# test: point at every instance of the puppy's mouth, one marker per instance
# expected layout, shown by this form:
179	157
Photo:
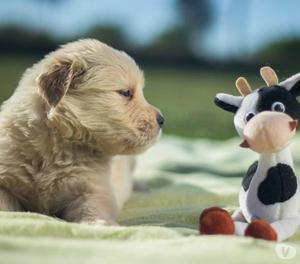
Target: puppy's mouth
154	139
148	131
142	140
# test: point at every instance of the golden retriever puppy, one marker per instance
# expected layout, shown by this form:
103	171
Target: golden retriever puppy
62	129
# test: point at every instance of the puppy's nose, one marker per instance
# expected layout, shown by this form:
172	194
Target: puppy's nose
160	120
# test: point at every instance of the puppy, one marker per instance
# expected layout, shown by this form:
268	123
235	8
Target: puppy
62	129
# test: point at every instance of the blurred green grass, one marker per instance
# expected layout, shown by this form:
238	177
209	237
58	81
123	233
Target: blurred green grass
185	96
11	70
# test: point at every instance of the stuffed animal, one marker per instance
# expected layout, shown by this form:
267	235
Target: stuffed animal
269	198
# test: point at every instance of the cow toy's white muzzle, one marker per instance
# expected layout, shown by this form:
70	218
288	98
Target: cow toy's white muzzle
269	132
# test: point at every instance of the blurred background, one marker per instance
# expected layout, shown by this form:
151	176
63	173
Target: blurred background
189	49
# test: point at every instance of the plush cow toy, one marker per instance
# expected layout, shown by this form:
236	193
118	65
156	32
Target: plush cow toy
269	198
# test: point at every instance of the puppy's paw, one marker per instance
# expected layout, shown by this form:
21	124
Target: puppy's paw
99	222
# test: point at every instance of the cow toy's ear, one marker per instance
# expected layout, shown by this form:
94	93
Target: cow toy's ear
292	84
228	102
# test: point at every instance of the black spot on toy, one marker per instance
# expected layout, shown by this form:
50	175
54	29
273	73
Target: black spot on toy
279	185
249	175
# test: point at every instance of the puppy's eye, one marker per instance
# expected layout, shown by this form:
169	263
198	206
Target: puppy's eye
249	116
278	107
126	93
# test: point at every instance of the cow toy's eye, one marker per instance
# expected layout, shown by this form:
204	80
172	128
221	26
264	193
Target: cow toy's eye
248	116
278	107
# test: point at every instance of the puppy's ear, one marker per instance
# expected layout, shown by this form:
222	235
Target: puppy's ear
58	79
292	84
228	102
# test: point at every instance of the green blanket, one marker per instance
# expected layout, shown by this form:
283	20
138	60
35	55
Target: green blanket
158	226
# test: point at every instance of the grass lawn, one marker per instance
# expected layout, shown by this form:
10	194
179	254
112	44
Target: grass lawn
186	100
11	70
185	96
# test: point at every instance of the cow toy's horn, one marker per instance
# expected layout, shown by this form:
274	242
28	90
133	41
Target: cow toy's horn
243	86
269	75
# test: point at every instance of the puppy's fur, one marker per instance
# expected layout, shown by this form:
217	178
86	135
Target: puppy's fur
61	131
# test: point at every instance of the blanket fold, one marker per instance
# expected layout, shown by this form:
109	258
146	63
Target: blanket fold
157	226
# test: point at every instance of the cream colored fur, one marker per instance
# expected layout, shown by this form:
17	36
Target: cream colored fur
63	129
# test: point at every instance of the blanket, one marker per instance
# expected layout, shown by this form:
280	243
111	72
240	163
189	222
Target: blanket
159	225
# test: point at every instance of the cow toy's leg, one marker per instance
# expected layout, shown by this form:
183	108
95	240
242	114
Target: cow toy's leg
240	222
286	227
257	228
215	220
